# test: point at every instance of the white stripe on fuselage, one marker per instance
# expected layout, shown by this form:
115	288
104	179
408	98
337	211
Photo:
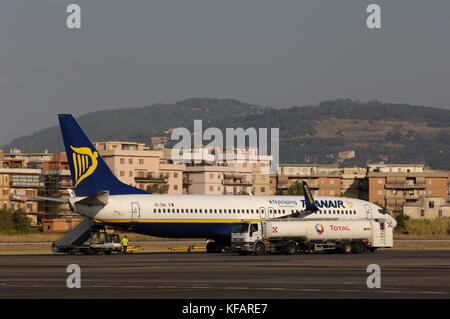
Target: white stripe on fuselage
223	207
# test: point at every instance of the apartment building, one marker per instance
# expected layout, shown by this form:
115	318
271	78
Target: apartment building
139	166
394	190
351	181
57	181
238	170
29	160
218	180
427	208
323	180
16	180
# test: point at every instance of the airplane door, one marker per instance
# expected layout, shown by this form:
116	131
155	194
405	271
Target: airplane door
262	213
135	212
368	211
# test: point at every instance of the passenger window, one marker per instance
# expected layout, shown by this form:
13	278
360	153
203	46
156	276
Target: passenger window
182	210
234	211
253	228
159	210
215	211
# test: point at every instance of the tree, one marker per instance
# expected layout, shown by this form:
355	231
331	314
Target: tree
295	189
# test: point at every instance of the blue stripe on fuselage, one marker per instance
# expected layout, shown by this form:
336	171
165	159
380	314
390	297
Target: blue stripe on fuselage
180	230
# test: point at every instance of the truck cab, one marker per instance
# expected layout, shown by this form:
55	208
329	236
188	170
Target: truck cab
245	235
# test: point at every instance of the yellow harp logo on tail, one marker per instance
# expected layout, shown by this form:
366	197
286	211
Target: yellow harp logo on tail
84	163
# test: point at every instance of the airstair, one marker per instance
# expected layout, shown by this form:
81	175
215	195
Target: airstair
76	236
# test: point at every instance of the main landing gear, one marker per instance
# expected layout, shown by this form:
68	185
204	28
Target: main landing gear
213	247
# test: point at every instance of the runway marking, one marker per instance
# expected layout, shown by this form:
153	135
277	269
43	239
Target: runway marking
134	268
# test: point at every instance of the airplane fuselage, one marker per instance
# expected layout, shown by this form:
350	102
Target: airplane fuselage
209	216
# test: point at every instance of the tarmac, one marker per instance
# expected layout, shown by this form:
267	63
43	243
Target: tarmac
404	274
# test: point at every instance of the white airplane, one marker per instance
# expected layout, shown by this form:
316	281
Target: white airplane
101	196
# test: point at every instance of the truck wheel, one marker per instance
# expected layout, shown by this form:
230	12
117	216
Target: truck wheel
358	248
107	252
290	248
372	249
260	249
347	248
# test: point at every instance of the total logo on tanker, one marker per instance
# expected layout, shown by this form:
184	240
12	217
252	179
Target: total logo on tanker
320	229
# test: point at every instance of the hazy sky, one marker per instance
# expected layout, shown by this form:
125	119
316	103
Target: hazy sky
278	53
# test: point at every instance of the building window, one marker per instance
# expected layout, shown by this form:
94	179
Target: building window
331	193
430	204
263	189
122	161
331	181
131	174
380	181
175	175
122	173
211	188
175	187
422	213
141	161
380	192
130	161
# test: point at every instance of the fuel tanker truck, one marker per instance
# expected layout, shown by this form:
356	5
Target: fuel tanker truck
291	236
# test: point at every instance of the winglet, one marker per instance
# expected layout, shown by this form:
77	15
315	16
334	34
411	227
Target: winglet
309	200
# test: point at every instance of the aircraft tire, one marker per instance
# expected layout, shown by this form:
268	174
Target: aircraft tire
211	247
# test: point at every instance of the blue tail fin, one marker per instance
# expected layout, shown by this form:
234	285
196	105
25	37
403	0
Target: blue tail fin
90	174
309	200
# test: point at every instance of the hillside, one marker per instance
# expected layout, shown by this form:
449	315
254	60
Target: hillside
376	131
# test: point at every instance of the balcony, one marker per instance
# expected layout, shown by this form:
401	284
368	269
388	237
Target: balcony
405	186
151	178
236	182
402	196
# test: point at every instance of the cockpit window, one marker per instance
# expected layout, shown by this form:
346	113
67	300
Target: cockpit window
382	211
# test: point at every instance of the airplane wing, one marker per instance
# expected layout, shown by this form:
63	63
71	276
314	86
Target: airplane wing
53	199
